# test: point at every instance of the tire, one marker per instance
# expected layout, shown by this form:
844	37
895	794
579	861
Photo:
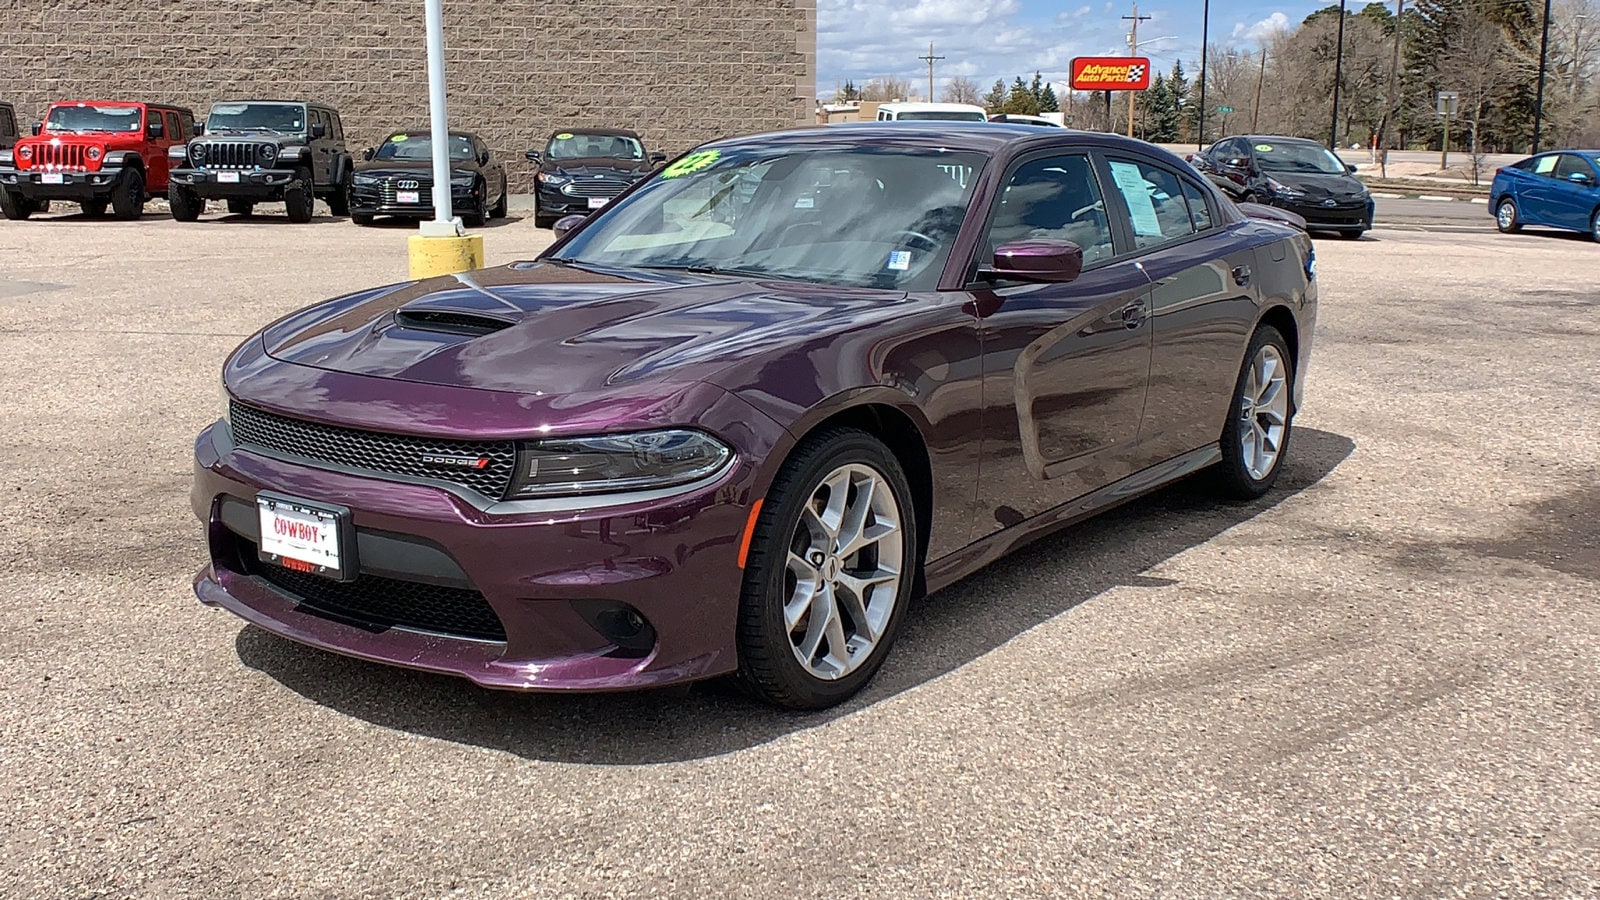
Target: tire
1352	235
241	207
1507	217
479	215
503	208
1251	460
186	204
95	208
543	221
1594	226
127	196
790	540
339	200
15	206
361	219
299	198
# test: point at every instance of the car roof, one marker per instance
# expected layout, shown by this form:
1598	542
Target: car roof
129	103
1278	138
271	100
982	137
930	107
428	132
609	132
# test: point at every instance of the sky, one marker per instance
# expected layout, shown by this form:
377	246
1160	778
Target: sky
858	40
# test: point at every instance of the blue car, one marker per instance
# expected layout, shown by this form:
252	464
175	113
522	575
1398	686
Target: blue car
1559	190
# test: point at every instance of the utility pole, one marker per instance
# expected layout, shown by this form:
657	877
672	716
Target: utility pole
1338	76
1538	95
1205	27
1255	113
1392	107
1133	50
930	59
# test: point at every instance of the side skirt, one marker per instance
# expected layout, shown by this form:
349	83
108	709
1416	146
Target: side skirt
953	567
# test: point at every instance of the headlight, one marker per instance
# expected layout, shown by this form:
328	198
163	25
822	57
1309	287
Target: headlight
552	179
269	152
95	153
24	153
608	464
463	179
197	153
358	178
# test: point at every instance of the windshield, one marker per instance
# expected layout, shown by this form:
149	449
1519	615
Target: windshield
1303	158
567	145
289	118
941	117
411	146
93	118
857	216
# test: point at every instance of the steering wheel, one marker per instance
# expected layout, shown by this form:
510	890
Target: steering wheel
916	236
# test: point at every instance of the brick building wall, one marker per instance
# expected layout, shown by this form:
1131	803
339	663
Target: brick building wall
679	73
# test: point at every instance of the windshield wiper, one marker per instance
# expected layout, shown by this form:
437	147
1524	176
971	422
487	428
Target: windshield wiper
704	269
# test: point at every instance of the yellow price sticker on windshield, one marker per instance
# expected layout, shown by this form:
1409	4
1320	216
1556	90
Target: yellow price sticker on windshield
694	162
564	136
398	139
1263	148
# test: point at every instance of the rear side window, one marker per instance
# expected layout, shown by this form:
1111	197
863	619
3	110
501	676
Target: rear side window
1545	165
8	125
1156	206
174	132
1199	208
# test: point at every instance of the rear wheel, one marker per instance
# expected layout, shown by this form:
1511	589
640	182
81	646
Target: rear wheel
1256	435
127	197
502	208
94	208
830	570
478	214
339	200
241	207
299	198
186	204
1594	225
15	206
1506	217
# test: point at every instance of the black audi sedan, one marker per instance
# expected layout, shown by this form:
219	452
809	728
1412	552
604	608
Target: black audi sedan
1290	173
582	169
396	179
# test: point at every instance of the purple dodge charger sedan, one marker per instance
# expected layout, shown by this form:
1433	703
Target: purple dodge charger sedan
738	420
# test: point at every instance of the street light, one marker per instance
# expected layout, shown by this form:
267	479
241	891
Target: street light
1538	95
1338	75
1205	27
440	247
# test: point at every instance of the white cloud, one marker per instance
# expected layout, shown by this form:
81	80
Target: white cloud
1261	30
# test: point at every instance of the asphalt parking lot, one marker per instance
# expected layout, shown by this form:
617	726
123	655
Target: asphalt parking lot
1380	680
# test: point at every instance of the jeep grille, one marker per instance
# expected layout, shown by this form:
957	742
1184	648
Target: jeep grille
232	154
57	157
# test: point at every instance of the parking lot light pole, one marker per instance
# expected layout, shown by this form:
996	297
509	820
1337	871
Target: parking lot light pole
441	247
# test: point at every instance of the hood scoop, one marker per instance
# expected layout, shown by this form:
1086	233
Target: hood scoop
446	321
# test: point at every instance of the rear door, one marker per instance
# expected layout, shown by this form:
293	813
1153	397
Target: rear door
1537	199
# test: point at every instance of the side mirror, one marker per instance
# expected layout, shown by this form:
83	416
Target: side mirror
1581	178
531	156
1045	261
658	158
1236	162
37	127
199	129
154	129
1350	167
483	158
368	154
567	223
319	130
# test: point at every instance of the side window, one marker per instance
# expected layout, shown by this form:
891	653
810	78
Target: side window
1057	198
174	132
337	131
8	125
1156	207
187	120
1199	207
1545	165
1571	165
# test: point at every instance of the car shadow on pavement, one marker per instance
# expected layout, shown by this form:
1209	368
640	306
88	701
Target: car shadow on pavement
940	634
411	224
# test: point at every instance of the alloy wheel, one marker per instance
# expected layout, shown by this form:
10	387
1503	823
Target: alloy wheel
1264	412
843	573
1506	215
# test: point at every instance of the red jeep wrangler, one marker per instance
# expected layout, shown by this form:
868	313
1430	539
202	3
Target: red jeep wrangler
98	153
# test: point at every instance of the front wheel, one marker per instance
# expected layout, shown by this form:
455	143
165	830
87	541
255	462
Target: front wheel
830	569
95	208
339	200
127	198
1256	435
1594	225
14	206
1506	217
1352	235
186	205
300	199
361	219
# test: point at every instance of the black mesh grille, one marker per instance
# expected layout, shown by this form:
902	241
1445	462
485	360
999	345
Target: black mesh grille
384	602
233	154
606	186
440	459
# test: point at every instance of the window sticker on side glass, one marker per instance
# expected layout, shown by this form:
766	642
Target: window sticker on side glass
1141	206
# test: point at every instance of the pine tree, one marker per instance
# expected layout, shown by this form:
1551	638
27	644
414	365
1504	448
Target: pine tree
1049	102
1020	101
1182	103
995	100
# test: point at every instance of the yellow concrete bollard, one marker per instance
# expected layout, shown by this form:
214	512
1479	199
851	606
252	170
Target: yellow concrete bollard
432	256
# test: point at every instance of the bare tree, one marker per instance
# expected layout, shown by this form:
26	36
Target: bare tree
962	90
1478	63
886	89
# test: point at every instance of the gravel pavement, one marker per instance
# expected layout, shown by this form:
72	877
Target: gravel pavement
1378	681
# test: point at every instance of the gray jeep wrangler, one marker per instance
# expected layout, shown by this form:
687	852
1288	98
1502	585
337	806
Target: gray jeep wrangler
257	151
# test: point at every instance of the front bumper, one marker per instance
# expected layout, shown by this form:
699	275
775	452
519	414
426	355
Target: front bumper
252	184
372	200
552	202
674	561
1344	217
37	185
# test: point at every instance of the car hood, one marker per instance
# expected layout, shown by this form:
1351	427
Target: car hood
602	165
1318	187
408	167
265	137
551	327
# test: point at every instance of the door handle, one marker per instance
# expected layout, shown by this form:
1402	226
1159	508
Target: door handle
1132	315
1241	275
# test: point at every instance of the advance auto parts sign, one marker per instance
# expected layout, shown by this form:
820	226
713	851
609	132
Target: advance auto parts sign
1110	73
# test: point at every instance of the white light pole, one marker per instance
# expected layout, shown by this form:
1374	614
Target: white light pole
444	223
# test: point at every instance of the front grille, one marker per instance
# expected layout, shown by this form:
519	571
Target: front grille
388	190
383	602
59	157
373	451
606	186
233	154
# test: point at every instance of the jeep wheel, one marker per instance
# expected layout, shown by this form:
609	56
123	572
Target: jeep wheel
186	204
15	206
299	199
127	197
241	207
339	200
94	208
503	208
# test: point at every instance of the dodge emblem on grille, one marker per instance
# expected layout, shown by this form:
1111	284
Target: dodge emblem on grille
408	184
456	462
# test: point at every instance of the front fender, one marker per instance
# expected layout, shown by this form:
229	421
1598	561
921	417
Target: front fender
122	159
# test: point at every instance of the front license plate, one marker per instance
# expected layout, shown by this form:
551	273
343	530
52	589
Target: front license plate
227	177
408	197
304	536
598	202
52	178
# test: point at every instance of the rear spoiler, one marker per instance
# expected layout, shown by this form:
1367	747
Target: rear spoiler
1273	214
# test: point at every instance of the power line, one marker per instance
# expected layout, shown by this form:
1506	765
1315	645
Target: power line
930	59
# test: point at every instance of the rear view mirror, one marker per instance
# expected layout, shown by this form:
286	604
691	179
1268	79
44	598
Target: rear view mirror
1047	261
566	224
319	130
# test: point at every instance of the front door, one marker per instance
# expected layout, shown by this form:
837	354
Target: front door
1065	366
